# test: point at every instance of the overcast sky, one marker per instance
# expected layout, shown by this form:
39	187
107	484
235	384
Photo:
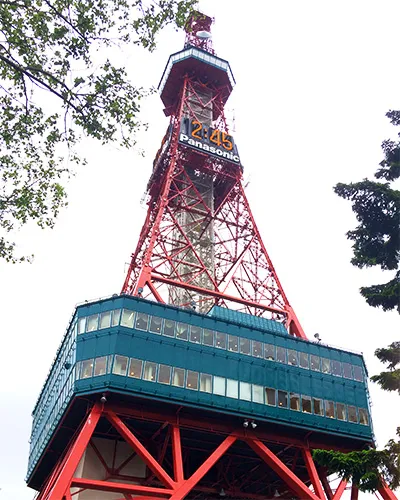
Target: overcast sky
314	81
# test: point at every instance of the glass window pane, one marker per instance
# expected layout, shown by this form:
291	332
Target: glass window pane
115	317
100	366
182	331
169	328
269	352
258	394
336	367
205	382
164	374
244	346
149	372
363	414
81	325
178	377
233	343
87	368
270	396
294	401
340	411
358	375
155	324
192	380
306	404
318	407
303	358
109	364
232	388
325	365
256	349
245	391
92	323
219	386
120	365
135	368
347	373
127	318
315	363
105	320
208	337
292	357
220	340
195	334
352	414
282	399
141	321
329	409
281	354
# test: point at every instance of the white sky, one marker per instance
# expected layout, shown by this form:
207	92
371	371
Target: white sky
314	81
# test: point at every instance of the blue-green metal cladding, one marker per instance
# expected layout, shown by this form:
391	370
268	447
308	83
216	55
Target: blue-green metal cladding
225	361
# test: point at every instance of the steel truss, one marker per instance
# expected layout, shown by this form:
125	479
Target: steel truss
176	471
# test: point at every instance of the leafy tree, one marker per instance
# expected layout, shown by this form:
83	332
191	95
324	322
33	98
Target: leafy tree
57	83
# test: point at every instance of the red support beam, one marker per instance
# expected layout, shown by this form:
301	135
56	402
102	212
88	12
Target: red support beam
313	474
123	488
325	484
177	454
386	493
354	492
340	489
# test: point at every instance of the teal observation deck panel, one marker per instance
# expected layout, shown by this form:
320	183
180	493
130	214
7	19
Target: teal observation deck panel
225	362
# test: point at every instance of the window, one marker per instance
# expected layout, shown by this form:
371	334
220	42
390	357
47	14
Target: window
232	388
115	317
105	320
127	318
318	407
352	414
220	340
219	386
340	411
87	368
315	363
294	401
182	331
325	365
135	368
233	344
258	394
169	328
150	369
292	357
329	409
363	414
120	365
141	321
245	346
164	374
208	337
336	368
357	370
282	399
306	404
256	349
303	358
270	396
281	354
155	324
192	380
205	382
195	334
92	323
347	370
269	352
100	366
178	377
81	325
245	391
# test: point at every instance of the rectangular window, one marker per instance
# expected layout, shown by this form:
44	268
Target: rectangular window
81	325
105	320
306	404
232	388
282	399
87	368
315	363
195	334
352	414
208	337
270	396
303	359
294	401
329	409
92	323
325	365
245	346
233	343
192	380
336	368
100	366
127	318
220	340
135	368
169	328
258	394
178	377
358	374
120	365
340	411
245	391
219	386
363	414
347	373
280	354
149	372
141	321
155	325
292	357
116	314
269	352
164	374
256	349
182	331
205	382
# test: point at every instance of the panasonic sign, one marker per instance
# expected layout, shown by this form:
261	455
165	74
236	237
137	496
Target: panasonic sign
207	148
